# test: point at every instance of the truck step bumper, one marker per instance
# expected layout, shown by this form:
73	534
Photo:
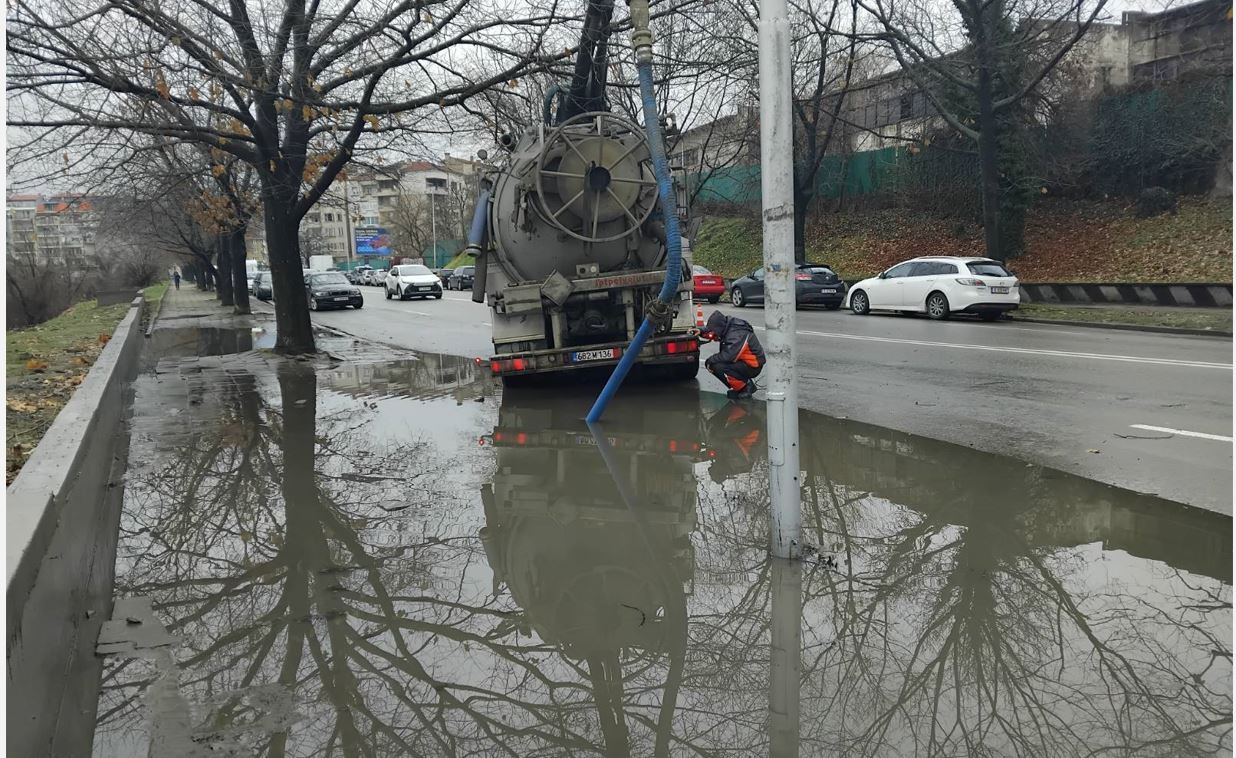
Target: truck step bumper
658	352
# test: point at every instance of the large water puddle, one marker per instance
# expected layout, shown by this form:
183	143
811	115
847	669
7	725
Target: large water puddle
397	559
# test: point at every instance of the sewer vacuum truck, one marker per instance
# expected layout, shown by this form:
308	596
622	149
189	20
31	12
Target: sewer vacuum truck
569	239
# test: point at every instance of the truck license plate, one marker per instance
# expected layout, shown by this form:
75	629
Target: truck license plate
592	355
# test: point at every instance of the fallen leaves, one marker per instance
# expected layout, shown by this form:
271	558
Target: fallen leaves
36	365
1066	241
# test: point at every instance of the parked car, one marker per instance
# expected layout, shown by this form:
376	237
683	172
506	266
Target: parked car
816	284
331	289
262	287
378	277
708	286
939	286
444	275
462	278
412	280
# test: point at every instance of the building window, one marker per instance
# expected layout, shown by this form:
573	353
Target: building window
434	184
905	108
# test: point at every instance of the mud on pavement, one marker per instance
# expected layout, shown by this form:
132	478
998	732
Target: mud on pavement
387	555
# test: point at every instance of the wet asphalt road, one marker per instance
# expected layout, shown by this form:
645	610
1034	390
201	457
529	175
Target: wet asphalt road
1064	397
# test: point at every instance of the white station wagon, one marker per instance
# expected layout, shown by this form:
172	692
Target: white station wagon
939	286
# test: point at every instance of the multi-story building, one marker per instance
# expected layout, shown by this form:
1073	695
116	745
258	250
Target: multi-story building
325	229
1164	46
19	220
416	193
57	228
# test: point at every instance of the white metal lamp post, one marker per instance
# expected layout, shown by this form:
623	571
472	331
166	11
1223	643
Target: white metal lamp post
777	185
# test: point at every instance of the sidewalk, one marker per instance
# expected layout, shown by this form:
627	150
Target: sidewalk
189	302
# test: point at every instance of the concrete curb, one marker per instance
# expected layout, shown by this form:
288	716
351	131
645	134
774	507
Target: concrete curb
155	316
61	516
1184	331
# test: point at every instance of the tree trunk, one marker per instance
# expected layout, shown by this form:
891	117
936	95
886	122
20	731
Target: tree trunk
800	227
224	257
295	332
988	136
240	274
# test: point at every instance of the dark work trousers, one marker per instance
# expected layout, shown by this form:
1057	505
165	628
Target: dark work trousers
733	375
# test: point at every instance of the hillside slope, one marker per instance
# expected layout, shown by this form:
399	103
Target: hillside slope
1066	241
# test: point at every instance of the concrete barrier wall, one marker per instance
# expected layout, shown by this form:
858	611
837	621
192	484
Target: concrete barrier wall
61	522
1191	295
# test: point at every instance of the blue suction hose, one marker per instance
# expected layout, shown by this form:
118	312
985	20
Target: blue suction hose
641	39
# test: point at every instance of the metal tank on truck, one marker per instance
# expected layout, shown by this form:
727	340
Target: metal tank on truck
570	242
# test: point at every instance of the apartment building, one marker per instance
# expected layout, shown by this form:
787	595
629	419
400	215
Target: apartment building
59	228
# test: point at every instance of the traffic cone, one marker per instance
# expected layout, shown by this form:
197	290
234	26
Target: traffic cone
699	316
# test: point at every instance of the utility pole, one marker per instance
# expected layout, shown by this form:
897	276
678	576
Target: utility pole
433	228
777	185
347	218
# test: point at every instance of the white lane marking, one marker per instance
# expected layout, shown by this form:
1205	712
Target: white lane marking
1027	351
1181	432
419	313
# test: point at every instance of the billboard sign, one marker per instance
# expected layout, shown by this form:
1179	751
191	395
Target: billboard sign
372	240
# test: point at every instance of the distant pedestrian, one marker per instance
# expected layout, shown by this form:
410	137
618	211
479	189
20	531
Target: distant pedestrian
176	279
740	359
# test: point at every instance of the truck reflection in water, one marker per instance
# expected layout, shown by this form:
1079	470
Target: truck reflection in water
599	557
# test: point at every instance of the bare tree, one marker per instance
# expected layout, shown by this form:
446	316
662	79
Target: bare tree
294	90
977	62
410	224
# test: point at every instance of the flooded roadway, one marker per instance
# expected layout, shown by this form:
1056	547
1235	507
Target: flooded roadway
394	557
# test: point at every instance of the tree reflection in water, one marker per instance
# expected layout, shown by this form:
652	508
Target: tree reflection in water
334	596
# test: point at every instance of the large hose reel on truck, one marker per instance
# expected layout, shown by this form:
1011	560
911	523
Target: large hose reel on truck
594	170
575	235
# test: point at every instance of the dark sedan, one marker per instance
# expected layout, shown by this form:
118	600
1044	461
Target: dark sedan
262	287
817	284
444	274
331	289
462	278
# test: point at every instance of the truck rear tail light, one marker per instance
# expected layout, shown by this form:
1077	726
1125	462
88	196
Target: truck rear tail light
682	346
507	366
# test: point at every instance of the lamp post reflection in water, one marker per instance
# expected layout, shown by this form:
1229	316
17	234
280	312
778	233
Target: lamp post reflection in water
786	650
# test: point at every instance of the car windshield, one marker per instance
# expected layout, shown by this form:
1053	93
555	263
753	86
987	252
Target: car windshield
414	271
700	271
329	278
987	268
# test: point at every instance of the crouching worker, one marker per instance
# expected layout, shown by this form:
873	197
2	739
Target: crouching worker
740	359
